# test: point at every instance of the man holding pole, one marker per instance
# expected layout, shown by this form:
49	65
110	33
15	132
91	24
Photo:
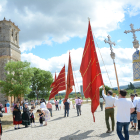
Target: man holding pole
109	109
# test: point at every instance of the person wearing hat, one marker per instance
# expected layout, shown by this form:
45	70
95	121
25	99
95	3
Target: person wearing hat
109	109
133	117
124	108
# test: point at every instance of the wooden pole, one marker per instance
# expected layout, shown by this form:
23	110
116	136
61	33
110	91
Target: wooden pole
104	89
75	90
117	78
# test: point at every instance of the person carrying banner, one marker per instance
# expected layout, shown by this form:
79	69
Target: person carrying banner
109	109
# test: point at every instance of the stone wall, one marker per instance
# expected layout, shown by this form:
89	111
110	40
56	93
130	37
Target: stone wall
9	49
15	55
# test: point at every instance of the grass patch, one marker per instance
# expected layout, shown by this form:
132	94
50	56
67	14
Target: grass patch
7	121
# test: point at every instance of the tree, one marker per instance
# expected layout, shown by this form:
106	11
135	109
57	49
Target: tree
106	89
18	79
131	86
40	83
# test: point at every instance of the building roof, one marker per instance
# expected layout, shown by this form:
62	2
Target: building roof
4	20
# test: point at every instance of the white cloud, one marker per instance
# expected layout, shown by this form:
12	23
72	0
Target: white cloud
119	40
123	64
46	21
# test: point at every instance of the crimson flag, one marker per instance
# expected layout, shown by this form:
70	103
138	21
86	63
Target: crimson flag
52	85
70	79
90	71
60	83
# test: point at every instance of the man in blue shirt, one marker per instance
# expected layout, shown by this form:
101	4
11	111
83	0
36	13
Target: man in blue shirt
66	107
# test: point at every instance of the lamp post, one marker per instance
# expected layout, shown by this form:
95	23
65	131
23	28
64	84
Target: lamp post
113	58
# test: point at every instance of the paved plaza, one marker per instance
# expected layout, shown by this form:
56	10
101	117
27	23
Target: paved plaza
70	128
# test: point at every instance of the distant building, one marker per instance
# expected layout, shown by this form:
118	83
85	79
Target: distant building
9	49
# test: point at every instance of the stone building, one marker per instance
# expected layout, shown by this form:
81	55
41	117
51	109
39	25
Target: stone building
9	49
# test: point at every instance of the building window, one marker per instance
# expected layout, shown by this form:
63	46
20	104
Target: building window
0	29
16	37
12	32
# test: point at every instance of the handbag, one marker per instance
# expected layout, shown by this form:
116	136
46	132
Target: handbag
1	115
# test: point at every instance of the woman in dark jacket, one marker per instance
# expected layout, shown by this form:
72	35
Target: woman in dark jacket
17	116
26	116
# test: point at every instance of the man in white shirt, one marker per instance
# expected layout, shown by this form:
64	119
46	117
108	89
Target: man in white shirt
124	108
78	105
109	109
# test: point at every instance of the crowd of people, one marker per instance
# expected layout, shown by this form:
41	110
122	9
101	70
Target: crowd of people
22	115
128	111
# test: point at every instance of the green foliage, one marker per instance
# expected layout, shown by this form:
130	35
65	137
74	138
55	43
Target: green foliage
18	79
131	86
106	89
40	83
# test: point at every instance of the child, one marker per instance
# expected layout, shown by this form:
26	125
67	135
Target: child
41	116
32	117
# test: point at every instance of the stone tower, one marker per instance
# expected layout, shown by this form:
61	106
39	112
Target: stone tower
9	48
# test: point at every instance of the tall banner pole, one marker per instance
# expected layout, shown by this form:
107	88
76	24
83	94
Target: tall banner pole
113	57
117	78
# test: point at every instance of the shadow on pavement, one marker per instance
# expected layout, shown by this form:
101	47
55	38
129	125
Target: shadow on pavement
110	134
74	117
76	136
14	129
103	135
57	119
132	132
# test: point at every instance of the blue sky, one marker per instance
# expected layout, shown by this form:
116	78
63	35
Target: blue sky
49	29
57	49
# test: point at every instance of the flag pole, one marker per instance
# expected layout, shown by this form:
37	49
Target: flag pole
117	78
75	90
113	57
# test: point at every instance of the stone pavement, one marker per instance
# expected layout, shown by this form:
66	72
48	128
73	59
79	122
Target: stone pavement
70	128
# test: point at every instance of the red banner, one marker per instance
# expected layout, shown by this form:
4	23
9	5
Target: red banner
60	83
90	71
70	79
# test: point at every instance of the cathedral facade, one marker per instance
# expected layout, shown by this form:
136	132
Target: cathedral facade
9	49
